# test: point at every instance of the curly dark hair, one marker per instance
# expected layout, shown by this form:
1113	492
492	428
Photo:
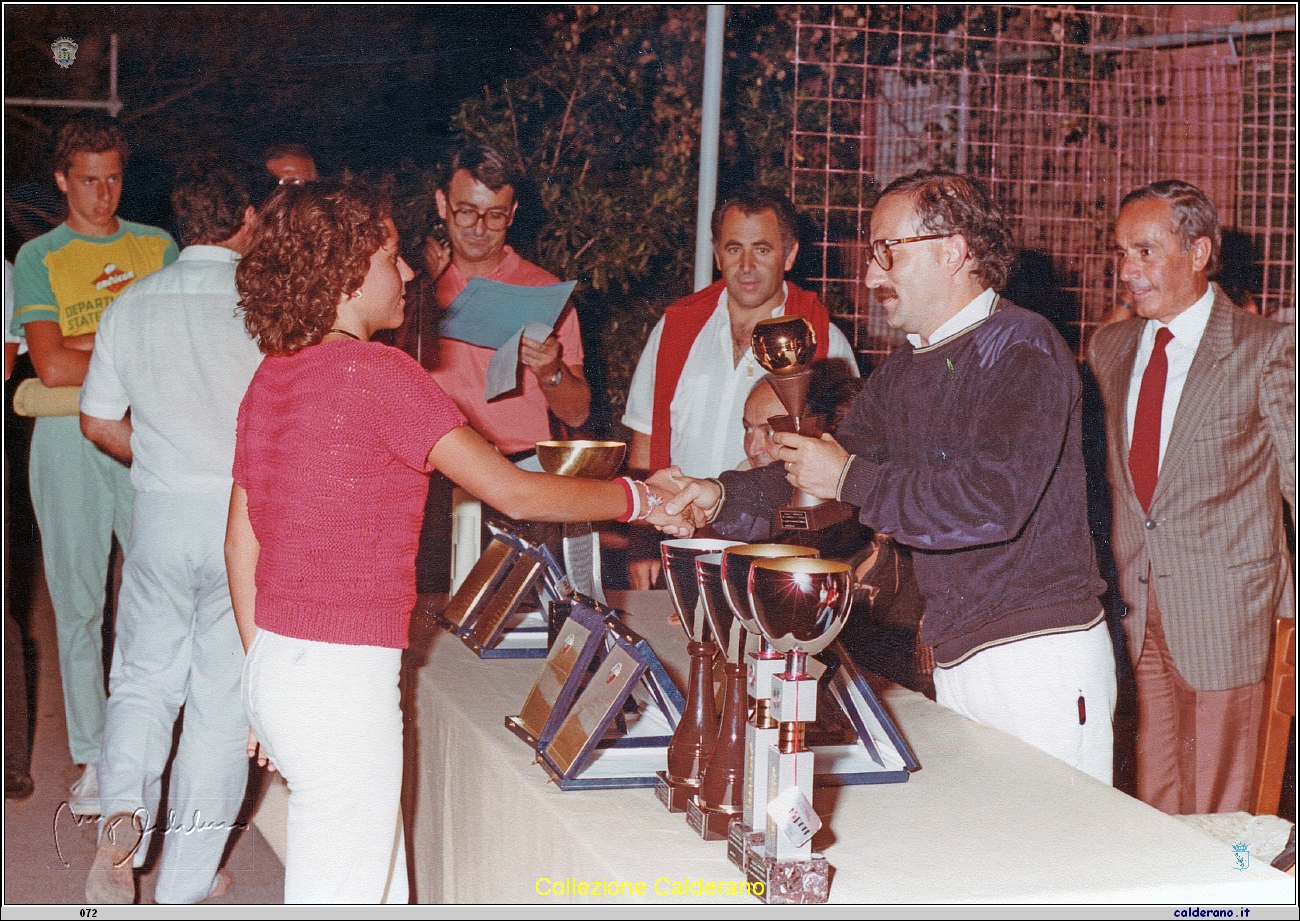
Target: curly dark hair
92	133
312	245
949	203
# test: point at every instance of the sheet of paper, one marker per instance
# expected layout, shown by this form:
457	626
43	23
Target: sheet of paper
503	368
488	313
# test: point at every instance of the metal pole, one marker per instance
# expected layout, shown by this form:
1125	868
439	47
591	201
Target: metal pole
710	119
114	104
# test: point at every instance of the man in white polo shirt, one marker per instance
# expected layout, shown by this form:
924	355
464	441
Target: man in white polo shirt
688	393
173	353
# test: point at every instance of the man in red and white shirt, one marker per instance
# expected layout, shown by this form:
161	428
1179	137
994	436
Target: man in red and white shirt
688	394
687	398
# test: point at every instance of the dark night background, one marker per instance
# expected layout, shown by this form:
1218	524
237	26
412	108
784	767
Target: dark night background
363	87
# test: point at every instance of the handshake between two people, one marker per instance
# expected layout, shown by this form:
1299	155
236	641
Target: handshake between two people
814	465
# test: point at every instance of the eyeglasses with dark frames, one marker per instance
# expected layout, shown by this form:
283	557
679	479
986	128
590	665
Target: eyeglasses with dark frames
469	217
881	250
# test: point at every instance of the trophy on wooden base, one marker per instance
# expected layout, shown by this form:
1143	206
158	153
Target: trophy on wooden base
785	346
801	606
722	786
762	665
693	741
592	460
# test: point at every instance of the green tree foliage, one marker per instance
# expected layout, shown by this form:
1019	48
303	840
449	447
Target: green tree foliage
607	127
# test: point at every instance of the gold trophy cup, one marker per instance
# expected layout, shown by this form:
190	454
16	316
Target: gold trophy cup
762	663
721	796
786	346
591	460
688	753
801	605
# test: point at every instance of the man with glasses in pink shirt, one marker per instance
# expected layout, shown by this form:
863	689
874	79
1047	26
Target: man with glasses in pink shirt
478	206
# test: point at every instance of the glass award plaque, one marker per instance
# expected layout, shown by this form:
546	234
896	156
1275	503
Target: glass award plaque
880	754
567	664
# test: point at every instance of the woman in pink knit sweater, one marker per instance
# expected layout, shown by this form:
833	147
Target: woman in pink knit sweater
336	438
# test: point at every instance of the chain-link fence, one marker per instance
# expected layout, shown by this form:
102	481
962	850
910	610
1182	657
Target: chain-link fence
1061	111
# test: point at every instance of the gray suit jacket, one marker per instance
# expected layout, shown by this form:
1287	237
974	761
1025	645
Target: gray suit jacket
1213	538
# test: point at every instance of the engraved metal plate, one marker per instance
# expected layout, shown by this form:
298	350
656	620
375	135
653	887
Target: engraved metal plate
478	585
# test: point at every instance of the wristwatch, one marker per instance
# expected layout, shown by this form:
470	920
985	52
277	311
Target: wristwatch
554	380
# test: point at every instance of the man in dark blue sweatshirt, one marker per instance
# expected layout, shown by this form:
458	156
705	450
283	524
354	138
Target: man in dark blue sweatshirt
964	445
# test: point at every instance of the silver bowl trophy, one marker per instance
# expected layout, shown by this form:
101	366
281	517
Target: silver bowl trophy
688	753
786	346
592	460
763	663
801	605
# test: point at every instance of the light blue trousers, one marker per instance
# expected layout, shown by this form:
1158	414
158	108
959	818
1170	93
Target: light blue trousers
82	497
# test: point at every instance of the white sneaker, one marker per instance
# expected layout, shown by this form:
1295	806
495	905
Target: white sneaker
83	797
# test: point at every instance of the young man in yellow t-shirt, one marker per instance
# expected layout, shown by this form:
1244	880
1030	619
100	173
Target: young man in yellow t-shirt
63	280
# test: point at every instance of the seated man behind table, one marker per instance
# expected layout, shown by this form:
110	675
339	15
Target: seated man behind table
478	204
686	399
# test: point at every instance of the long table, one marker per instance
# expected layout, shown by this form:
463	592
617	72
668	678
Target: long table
987	818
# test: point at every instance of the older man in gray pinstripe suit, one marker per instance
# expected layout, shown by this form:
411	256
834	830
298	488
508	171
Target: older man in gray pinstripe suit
1200	423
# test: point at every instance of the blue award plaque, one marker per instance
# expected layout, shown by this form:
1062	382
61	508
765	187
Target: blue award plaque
567	664
616	732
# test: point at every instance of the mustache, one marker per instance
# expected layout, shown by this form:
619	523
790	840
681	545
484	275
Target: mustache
885	292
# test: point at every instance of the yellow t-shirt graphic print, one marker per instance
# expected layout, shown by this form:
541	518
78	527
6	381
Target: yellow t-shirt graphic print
71	278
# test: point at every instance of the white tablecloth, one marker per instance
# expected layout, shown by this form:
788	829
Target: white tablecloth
986	819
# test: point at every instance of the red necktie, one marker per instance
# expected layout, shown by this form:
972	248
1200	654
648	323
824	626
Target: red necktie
1144	449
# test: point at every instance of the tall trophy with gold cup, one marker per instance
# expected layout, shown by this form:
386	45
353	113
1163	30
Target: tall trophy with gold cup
762	664
688	753
786	346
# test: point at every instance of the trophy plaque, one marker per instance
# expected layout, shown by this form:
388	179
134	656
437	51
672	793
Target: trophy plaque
500	610
786	346
615	731
689	752
801	605
485	631
762	665
592	460
578	638
721	796
483	579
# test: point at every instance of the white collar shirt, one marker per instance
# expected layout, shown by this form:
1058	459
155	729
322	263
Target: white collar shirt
974	312
707	409
1187	328
173	349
